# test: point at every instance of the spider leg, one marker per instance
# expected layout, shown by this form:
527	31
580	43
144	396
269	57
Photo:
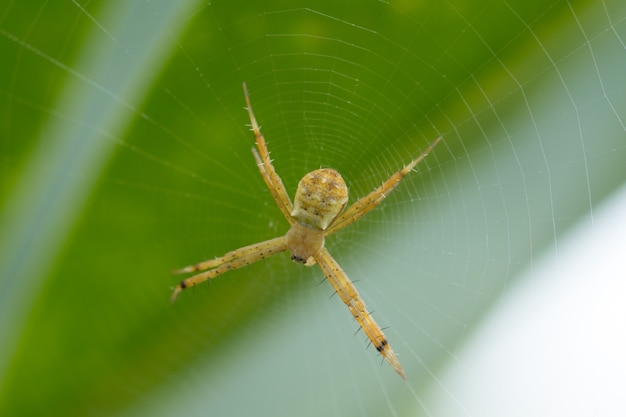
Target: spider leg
370	201
272	179
350	296
232	260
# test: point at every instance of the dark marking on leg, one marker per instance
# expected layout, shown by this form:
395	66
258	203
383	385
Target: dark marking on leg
382	345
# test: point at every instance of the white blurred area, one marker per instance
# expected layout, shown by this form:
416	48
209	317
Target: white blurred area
556	344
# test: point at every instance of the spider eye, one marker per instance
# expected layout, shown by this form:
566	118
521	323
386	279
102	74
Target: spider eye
298	259
306	262
320	197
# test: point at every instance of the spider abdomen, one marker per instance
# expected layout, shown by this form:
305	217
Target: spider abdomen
320	197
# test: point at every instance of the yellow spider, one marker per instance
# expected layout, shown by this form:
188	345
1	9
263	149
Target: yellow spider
320	198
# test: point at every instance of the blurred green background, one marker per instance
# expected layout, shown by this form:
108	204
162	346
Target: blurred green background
124	153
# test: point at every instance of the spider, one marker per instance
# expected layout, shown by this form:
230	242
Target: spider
317	212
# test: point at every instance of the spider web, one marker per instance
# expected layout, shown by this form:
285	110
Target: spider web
125	154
